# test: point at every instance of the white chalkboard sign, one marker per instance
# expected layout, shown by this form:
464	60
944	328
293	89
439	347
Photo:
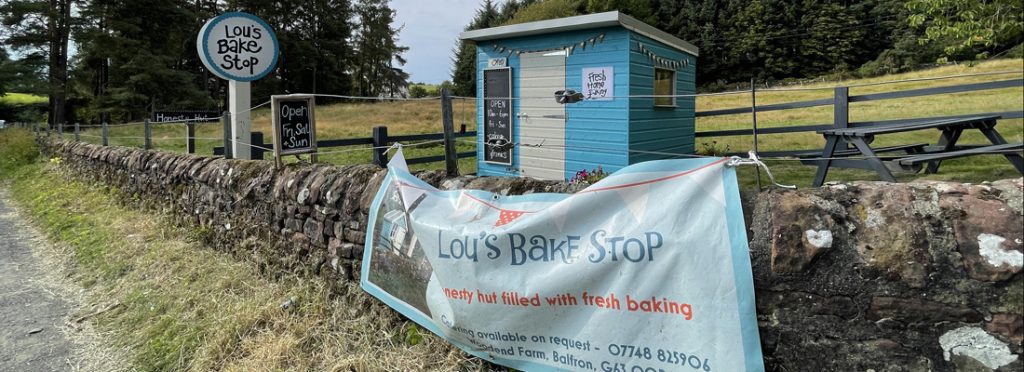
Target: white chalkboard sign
598	83
294	124
497	133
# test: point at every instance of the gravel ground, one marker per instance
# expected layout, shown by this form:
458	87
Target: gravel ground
37	304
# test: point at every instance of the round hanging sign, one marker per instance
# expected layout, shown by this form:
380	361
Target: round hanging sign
238	46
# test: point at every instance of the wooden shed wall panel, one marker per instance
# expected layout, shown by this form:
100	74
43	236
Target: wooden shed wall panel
657	129
597	131
613	48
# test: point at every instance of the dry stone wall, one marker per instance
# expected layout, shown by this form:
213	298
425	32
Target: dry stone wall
865	276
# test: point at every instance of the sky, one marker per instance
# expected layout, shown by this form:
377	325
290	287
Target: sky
431	29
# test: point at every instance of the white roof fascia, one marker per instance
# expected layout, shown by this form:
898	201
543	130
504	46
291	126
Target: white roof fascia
613	18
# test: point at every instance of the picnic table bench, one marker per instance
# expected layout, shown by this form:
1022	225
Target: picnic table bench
861	137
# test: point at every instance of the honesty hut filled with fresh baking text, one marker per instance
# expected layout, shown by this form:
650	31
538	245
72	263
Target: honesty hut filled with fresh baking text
558	96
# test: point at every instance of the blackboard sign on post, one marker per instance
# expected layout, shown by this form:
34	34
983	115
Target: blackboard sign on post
294	125
497	133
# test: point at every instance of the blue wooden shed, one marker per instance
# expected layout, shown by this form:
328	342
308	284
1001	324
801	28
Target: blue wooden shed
630	75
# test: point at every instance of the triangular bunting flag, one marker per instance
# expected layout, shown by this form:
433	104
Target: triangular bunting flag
507	216
467	210
559	211
635	198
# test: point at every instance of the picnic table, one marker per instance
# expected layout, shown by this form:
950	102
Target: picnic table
947	148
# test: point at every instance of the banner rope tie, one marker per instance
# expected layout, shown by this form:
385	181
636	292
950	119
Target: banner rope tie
752	159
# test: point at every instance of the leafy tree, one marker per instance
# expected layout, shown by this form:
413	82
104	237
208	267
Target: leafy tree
639	9
40	29
548	9
969	26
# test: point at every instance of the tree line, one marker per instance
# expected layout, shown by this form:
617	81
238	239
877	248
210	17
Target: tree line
132	57
772	40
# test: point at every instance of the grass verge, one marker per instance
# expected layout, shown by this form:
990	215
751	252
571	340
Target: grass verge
184	306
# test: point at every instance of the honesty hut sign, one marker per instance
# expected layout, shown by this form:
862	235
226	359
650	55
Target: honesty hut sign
617	277
238	46
294	124
169	116
498	116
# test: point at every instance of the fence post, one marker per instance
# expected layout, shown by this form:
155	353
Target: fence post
841	112
78	134
753	113
190	137
380	140
60	130
148	144
105	134
451	157
226	119
256	139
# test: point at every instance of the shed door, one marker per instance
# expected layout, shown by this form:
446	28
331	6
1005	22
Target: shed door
541	118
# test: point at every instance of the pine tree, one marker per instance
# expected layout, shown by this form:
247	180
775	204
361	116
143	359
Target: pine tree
464	54
41	30
378	56
139	56
464	59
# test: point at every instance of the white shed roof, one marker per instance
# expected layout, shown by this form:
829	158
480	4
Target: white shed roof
582	22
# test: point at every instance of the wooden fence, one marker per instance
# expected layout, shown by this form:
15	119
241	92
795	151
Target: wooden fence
379	142
840	101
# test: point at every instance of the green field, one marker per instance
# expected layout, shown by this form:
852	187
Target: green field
414	117
15	99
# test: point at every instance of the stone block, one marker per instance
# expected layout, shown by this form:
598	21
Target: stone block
989	237
339	230
315	230
915	310
1009	326
355	236
890	238
293	224
801	231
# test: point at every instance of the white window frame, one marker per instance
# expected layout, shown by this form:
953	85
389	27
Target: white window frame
654	79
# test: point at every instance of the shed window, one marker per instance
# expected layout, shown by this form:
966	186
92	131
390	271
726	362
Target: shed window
664	85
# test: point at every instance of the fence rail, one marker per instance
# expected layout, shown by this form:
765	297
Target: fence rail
380	142
841	102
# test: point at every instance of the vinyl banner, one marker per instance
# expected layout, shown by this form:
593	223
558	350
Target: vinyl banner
646	270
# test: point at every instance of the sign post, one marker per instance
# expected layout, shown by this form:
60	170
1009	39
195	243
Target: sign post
294	124
238	47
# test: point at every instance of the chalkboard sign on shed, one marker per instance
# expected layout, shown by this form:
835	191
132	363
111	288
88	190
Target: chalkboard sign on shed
294	124
497	134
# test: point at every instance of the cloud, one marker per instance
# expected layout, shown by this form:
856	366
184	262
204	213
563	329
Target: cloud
430	30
